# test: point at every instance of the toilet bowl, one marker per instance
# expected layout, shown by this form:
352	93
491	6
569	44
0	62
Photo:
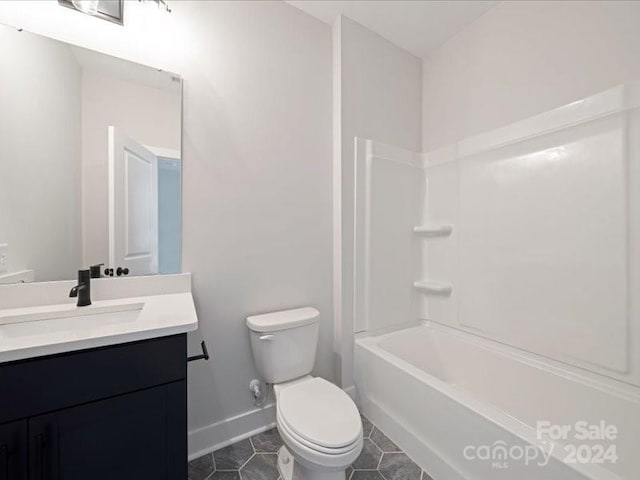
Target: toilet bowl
321	429
318	422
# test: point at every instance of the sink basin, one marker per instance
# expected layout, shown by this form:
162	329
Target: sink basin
65	318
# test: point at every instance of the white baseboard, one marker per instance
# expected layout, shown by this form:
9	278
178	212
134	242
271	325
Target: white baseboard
231	430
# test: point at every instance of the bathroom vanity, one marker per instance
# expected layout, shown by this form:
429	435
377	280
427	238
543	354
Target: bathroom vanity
100	391
104	413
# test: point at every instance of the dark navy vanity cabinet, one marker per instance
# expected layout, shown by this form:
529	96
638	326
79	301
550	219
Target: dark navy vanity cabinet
108	413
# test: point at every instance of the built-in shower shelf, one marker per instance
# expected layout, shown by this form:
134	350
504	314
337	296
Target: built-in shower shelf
433	288
433	230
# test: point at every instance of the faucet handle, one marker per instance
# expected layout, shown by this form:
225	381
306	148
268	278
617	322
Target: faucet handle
95	270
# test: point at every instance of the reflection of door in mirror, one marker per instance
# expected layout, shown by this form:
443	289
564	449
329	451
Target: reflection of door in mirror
144	206
133	205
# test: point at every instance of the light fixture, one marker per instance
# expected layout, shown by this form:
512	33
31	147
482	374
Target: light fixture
90	7
161	4
110	10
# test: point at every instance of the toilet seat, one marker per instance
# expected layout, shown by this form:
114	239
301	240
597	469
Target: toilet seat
319	415
286	431
319	423
317	460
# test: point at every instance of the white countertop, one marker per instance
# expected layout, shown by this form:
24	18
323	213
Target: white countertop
161	315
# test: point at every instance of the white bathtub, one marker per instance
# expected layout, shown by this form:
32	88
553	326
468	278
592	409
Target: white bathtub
466	408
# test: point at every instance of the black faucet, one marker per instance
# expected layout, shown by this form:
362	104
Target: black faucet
83	289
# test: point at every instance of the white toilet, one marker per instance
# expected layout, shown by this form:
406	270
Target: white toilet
318	422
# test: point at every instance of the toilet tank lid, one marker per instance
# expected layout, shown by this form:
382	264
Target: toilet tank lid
271	322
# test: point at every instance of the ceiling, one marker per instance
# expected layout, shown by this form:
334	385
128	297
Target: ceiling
417	26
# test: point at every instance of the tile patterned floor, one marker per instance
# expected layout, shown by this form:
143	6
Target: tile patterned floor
256	459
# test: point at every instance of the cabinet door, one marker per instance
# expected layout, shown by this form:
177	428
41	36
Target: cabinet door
124	438
13	451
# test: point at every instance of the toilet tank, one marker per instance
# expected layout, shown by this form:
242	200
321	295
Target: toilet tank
284	343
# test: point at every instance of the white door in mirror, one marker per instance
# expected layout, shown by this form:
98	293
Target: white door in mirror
133	205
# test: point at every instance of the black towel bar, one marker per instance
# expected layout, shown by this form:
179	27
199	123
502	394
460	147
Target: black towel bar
203	356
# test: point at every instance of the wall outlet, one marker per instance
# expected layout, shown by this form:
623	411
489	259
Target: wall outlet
4	257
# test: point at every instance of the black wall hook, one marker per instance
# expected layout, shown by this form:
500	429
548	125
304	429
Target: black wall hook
203	356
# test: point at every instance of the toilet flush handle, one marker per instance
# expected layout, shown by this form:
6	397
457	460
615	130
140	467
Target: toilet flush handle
265	337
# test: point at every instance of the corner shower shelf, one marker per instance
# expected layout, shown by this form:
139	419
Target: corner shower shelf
433	230
434	288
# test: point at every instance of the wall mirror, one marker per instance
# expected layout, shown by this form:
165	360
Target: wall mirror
90	162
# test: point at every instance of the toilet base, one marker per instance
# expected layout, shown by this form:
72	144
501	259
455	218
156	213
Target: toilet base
289	469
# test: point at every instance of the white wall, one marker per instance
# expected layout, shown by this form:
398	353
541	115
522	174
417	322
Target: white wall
257	172
377	95
257	177
523	58
107	100
39	157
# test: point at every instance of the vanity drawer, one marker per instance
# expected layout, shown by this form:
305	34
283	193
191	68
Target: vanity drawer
44	384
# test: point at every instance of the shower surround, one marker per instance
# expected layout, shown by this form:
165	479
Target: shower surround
495	294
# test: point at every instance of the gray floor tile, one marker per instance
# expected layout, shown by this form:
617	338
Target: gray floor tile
383	442
256	459
366	475
267	442
201	468
398	466
233	456
369	457
263	466
225	476
367	426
